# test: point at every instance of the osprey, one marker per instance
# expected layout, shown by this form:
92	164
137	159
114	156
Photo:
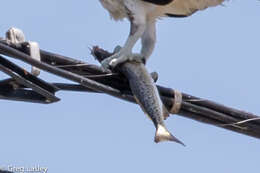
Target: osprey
142	15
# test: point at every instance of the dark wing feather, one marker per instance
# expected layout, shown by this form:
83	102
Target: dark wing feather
159	2
180	15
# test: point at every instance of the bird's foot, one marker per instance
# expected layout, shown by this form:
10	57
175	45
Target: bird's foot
120	56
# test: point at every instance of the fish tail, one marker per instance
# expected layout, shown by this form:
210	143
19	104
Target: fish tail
162	134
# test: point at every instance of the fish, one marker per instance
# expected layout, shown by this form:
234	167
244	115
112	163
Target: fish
147	96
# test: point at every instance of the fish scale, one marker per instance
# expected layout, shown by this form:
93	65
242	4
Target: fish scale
147	96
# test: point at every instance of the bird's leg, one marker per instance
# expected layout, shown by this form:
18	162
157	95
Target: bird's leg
154	74
148	39
125	54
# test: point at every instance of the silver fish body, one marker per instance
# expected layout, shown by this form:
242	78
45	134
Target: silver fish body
147	96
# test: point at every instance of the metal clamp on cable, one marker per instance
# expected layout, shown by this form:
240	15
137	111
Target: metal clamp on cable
176	106
16	36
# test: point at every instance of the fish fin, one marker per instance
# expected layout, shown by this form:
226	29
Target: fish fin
162	134
166	113
154	76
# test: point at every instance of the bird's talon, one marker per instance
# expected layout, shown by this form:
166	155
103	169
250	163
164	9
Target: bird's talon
120	56
105	65
113	63
117	49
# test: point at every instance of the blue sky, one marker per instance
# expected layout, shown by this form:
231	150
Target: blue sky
214	54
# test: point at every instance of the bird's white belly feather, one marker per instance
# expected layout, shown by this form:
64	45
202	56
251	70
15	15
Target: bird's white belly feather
117	8
120	9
